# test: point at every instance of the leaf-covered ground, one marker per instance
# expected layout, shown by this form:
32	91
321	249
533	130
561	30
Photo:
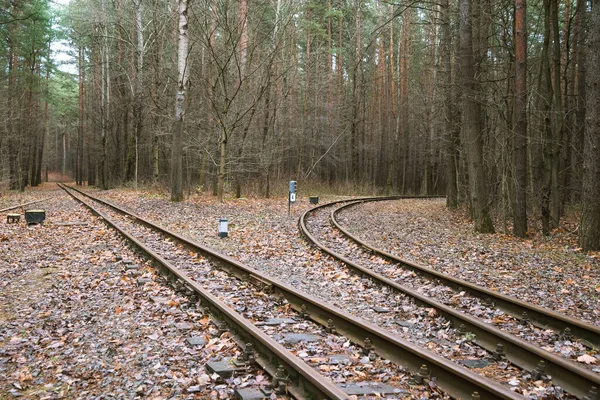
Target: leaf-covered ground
14	198
75	322
263	236
552	272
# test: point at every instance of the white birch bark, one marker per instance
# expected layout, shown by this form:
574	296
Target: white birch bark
183	74
139	90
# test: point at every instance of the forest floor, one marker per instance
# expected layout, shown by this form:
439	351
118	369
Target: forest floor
68	307
549	271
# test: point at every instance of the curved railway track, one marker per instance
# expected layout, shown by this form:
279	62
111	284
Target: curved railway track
538	316
426	367
346	248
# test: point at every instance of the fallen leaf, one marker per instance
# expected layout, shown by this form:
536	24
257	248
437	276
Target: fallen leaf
513	382
586	358
327	368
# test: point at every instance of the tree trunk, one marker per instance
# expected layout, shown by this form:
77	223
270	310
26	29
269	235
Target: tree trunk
10	103
590	212
471	120
380	98
79	150
156	120
449	125
105	99
243	38
222	160
545	100
354	130
183	73
138	117
558	131
403	113
577	101
45	130
520	131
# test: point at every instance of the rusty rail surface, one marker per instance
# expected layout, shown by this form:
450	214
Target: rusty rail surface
456	380
574	378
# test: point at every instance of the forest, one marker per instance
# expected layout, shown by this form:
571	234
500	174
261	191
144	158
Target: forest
495	104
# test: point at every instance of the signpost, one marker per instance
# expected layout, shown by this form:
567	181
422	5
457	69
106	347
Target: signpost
292	196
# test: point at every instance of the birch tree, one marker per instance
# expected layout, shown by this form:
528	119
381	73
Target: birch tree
139	88
183	74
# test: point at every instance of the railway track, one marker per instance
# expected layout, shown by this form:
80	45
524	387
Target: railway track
530	313
23	205
455	298
337	329
296	378
68	290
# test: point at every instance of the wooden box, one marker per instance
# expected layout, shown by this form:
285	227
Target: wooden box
13	218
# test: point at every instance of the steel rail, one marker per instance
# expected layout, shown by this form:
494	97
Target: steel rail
23	205
455	380
309	384
539	316
574	378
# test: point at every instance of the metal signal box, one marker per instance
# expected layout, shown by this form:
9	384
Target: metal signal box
35	216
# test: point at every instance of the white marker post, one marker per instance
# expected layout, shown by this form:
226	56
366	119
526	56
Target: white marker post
292	196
